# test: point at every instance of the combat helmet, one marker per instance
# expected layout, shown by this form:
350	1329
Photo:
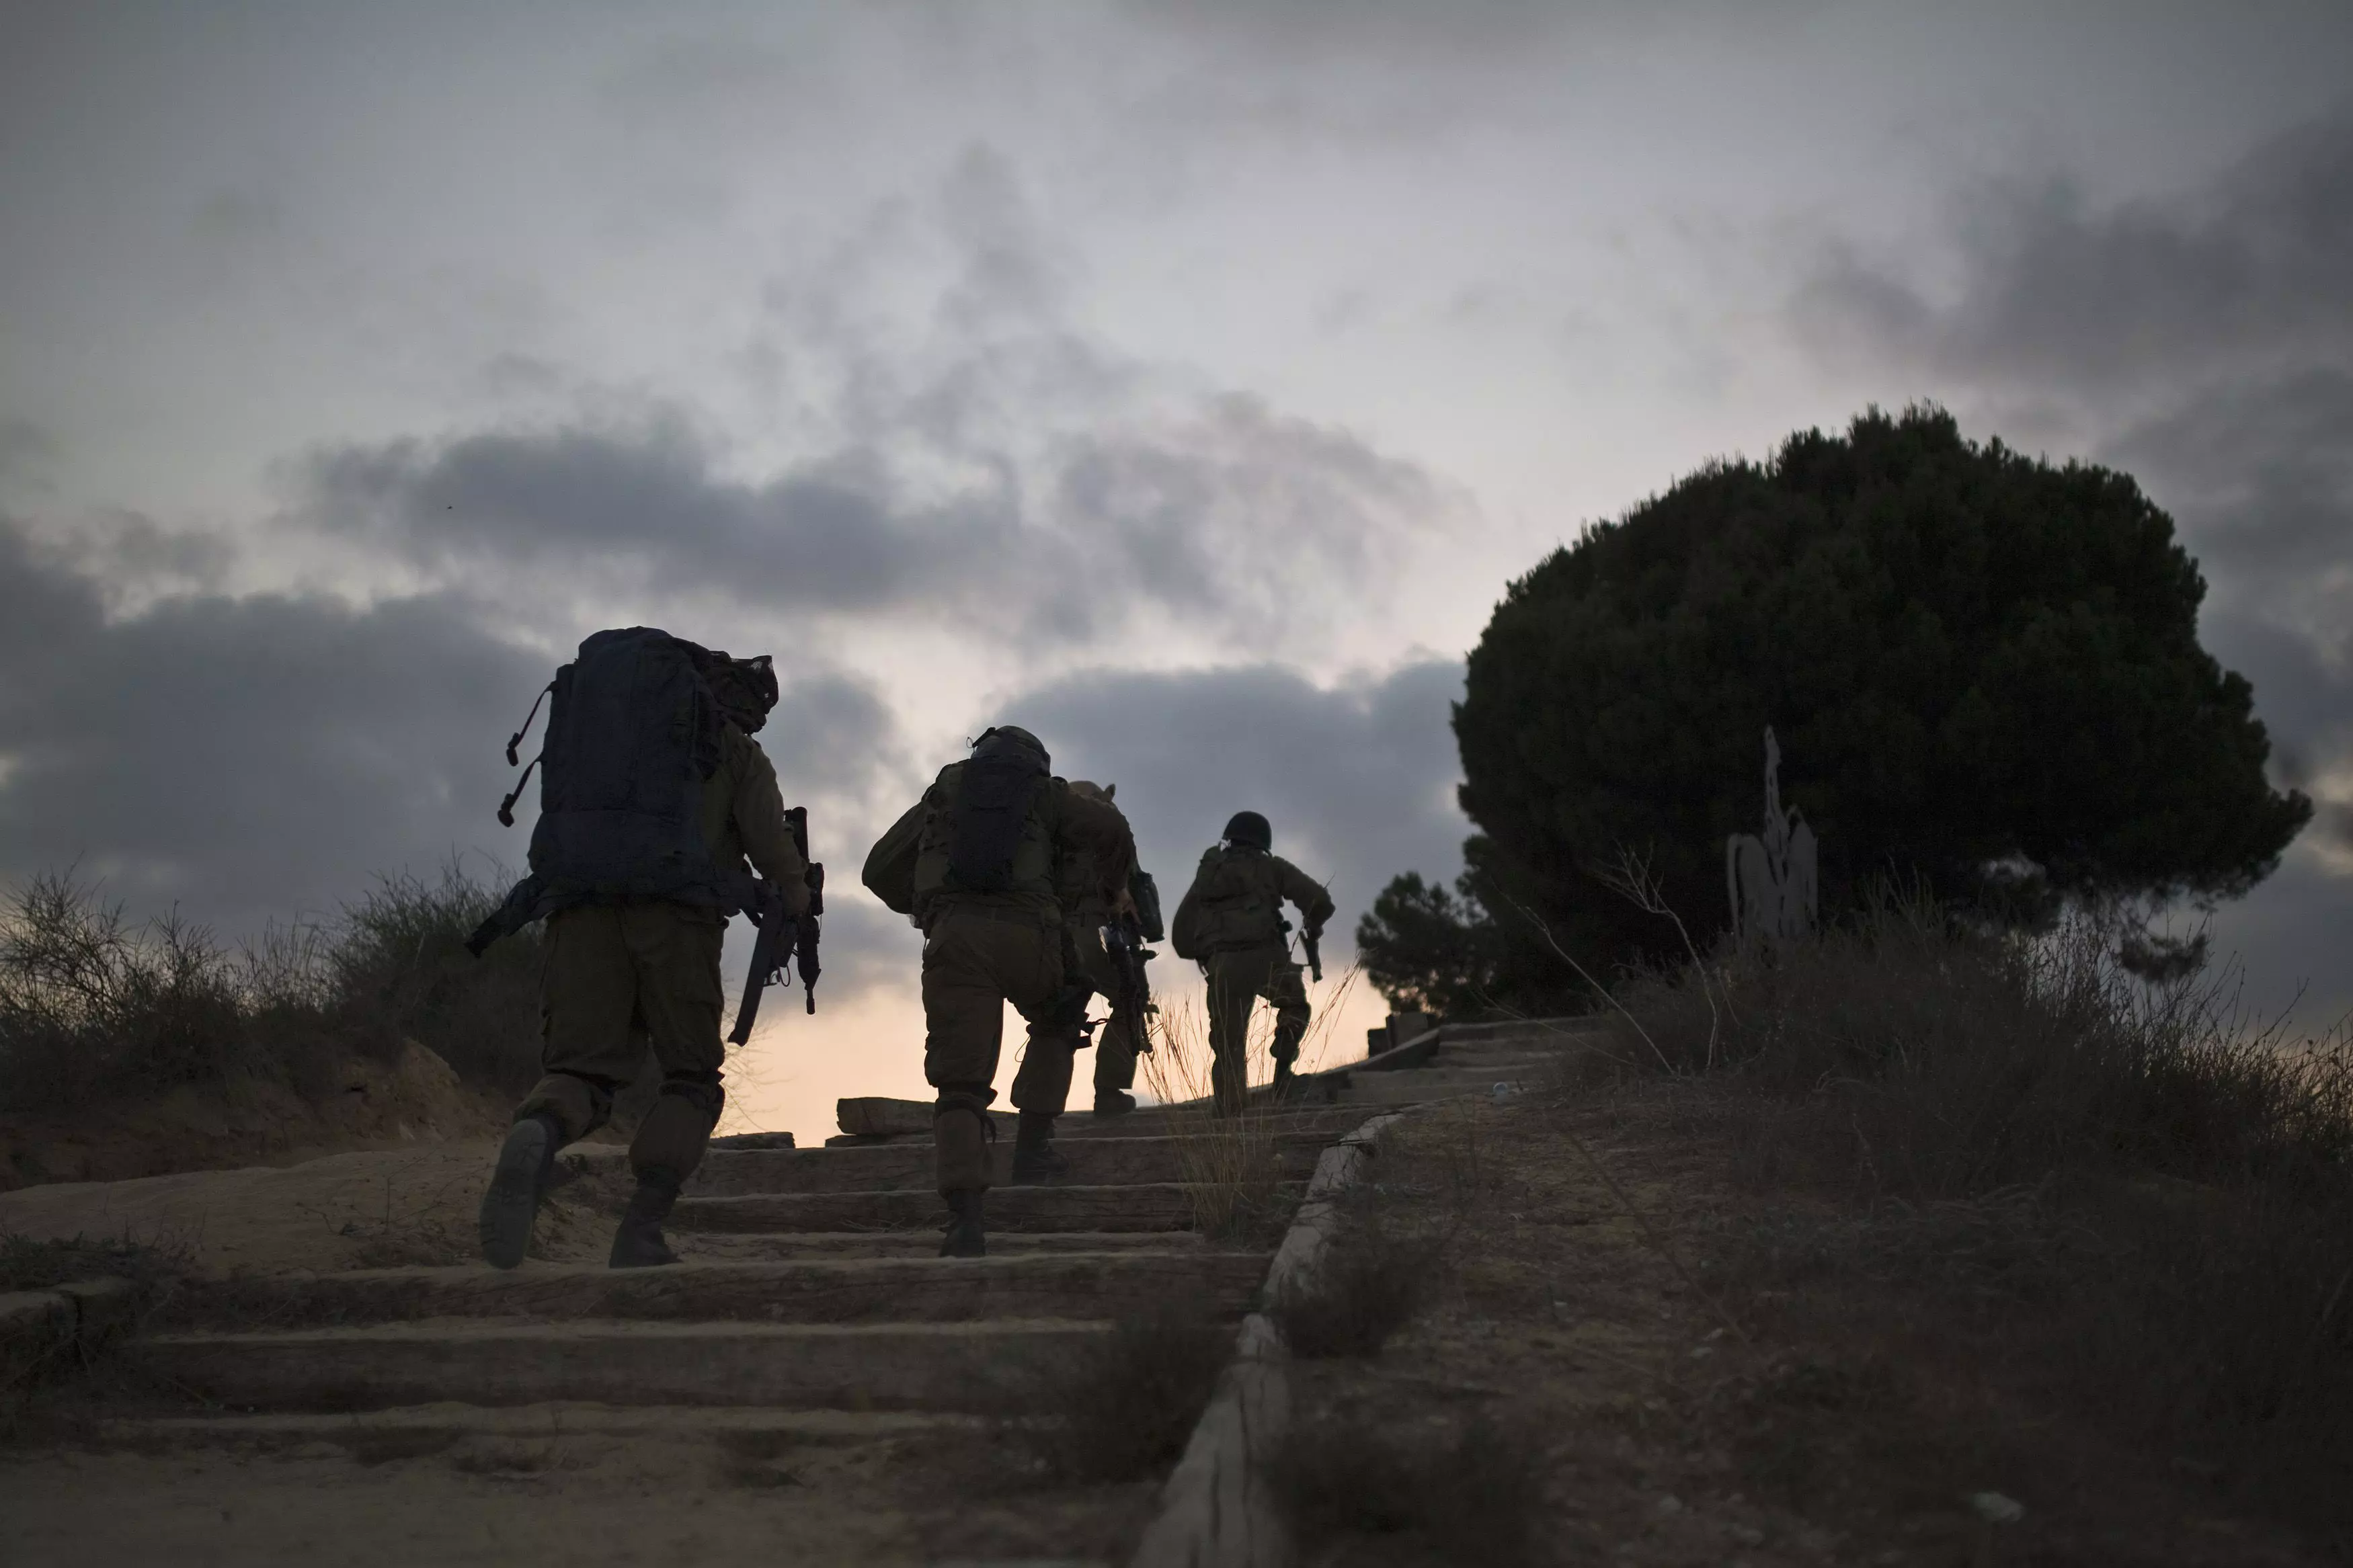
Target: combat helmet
1249	829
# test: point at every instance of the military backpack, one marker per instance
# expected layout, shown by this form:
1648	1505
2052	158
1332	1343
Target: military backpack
632	736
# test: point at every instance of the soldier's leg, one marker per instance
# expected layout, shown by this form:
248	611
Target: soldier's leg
675	949
587	997
1235	980
964	1021
1114	1050
1056	1011
1287	992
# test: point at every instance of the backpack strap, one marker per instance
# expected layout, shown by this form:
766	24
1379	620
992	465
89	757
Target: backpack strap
515	741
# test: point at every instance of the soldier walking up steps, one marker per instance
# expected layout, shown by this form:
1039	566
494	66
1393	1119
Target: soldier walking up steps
1091	882
1231	920
652	794
975	863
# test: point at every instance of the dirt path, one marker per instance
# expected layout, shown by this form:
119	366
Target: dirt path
337	1380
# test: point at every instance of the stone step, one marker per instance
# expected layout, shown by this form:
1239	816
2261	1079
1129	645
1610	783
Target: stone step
1147	1205
552	1418
873	1116
1551	1031
979	1366
751	1246
1415	1087
911	1165
809	1290
1484	1059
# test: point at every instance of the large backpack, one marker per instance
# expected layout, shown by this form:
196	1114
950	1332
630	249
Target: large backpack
1234	903
632	736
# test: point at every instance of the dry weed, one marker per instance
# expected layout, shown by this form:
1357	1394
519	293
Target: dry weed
1122	1408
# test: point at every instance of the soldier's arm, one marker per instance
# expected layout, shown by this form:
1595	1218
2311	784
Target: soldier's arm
1315	905
1100	830
758	809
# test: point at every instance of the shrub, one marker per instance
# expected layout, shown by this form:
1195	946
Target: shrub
1122	1408
94	1008
2021	1121
1368	1282
1470	1494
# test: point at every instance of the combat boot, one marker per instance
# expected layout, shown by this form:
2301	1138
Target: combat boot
1035	1158
518	1183
638	1243
1114	1103
1287	1084
966	1238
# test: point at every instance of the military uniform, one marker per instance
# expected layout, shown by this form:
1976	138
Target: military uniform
1231	922
982	949
1090	880
619	977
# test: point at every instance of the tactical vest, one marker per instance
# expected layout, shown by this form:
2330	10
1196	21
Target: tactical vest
1237	901
985	840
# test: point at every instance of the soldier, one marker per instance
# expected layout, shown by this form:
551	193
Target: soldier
979	863
622	972
1232	920
1095	894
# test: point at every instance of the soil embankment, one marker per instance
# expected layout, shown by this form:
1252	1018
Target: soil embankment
411	1100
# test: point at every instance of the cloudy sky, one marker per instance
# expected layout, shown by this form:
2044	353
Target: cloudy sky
1184	381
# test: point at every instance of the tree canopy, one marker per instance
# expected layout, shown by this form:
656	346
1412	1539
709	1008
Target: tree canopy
1983	670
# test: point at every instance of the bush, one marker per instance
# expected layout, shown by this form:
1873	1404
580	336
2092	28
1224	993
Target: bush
96	1008
1952	1060
1122	1408
399	969
2021	1122
1469	1495
1368	1282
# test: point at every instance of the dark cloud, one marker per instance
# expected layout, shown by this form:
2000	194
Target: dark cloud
2199	342
1357	779
647	508
1234	514
255	758
2054	289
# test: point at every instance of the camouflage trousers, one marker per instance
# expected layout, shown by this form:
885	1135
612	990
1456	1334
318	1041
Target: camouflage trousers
1238	978
620	979
975	960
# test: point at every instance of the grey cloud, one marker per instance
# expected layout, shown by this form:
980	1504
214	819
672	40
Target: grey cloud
257	758
2259	470
2199	342
1235	517
647	504
1357	779
2256	265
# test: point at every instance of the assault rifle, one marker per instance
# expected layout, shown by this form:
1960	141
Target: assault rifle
1123	943
784	937
1310	943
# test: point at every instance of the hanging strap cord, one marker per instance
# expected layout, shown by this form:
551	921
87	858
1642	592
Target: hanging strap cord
506	806
514	742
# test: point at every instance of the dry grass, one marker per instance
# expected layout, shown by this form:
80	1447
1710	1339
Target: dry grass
1230	1163
1370	1278
2149	1196
97	1008
1463	1491
1122	1408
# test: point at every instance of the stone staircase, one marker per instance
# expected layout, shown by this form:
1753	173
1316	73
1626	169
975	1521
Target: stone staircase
809	1299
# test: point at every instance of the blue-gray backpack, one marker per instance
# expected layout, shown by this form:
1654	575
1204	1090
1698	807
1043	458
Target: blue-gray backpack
632	736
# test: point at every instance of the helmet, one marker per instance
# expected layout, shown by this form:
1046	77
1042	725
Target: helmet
745	690
1249	827
999	737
